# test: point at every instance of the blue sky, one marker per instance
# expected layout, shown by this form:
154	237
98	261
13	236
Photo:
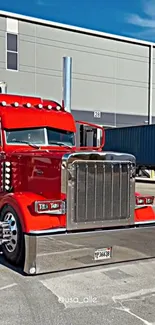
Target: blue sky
132	18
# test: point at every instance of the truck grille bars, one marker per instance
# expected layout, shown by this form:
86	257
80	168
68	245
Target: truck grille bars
99	193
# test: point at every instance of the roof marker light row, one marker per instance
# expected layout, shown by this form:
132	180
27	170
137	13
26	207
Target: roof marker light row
16	104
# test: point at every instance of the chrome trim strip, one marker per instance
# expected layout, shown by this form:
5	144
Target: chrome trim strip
144	206
145	222
47	231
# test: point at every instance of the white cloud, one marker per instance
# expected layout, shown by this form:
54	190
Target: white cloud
44	3
142	22
40	3
147	34
149	8
146	25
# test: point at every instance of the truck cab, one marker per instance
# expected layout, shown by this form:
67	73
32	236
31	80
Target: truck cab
48	183
64	202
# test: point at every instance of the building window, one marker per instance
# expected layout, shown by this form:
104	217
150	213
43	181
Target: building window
12	52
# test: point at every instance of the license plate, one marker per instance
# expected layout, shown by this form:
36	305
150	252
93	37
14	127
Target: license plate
103	253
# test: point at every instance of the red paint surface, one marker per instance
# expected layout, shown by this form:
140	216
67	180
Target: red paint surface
33	117
25	177
144	214
28	185
23	204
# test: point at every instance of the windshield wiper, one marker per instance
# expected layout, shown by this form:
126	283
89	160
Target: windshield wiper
60	144
26	142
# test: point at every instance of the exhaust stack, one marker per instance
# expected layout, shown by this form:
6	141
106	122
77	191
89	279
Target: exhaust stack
67	76
3	87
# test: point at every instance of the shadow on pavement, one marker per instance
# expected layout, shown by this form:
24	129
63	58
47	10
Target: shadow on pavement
4	263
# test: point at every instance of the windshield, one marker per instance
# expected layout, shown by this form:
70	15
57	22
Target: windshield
40	136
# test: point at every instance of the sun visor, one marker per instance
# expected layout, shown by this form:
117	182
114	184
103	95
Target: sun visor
29	118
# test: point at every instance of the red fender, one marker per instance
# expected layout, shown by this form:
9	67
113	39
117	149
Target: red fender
21	202
144	214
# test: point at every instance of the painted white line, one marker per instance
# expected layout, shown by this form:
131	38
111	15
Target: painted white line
128	311
8	286
121	299
135	294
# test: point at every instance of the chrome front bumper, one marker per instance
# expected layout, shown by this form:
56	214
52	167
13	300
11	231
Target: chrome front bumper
55	251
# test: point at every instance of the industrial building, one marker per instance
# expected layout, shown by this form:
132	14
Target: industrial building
113	79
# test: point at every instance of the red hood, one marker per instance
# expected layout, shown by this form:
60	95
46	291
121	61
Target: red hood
38	171
31	152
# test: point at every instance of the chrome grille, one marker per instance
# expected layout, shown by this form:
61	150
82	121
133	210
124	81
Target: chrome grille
100	191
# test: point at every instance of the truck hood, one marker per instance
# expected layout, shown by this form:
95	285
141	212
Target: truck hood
39	171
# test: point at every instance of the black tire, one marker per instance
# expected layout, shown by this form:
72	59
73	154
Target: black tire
17	256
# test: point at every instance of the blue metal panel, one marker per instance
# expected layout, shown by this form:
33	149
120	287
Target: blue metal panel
137	140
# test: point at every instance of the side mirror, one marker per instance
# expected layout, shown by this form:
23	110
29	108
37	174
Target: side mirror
89	135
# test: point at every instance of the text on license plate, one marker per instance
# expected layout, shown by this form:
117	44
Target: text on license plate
103	253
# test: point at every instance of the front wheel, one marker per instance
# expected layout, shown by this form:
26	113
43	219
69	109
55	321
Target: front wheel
14	250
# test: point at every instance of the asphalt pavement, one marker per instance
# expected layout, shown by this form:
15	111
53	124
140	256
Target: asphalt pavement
115	295
120	294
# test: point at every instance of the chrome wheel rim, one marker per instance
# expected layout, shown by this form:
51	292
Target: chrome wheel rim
11	246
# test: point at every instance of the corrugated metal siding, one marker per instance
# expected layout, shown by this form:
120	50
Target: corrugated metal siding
105	71
138	140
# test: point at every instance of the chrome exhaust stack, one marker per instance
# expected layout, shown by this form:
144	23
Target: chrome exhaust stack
3	87
67	84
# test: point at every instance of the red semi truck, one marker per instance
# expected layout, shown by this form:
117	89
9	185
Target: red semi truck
63	206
